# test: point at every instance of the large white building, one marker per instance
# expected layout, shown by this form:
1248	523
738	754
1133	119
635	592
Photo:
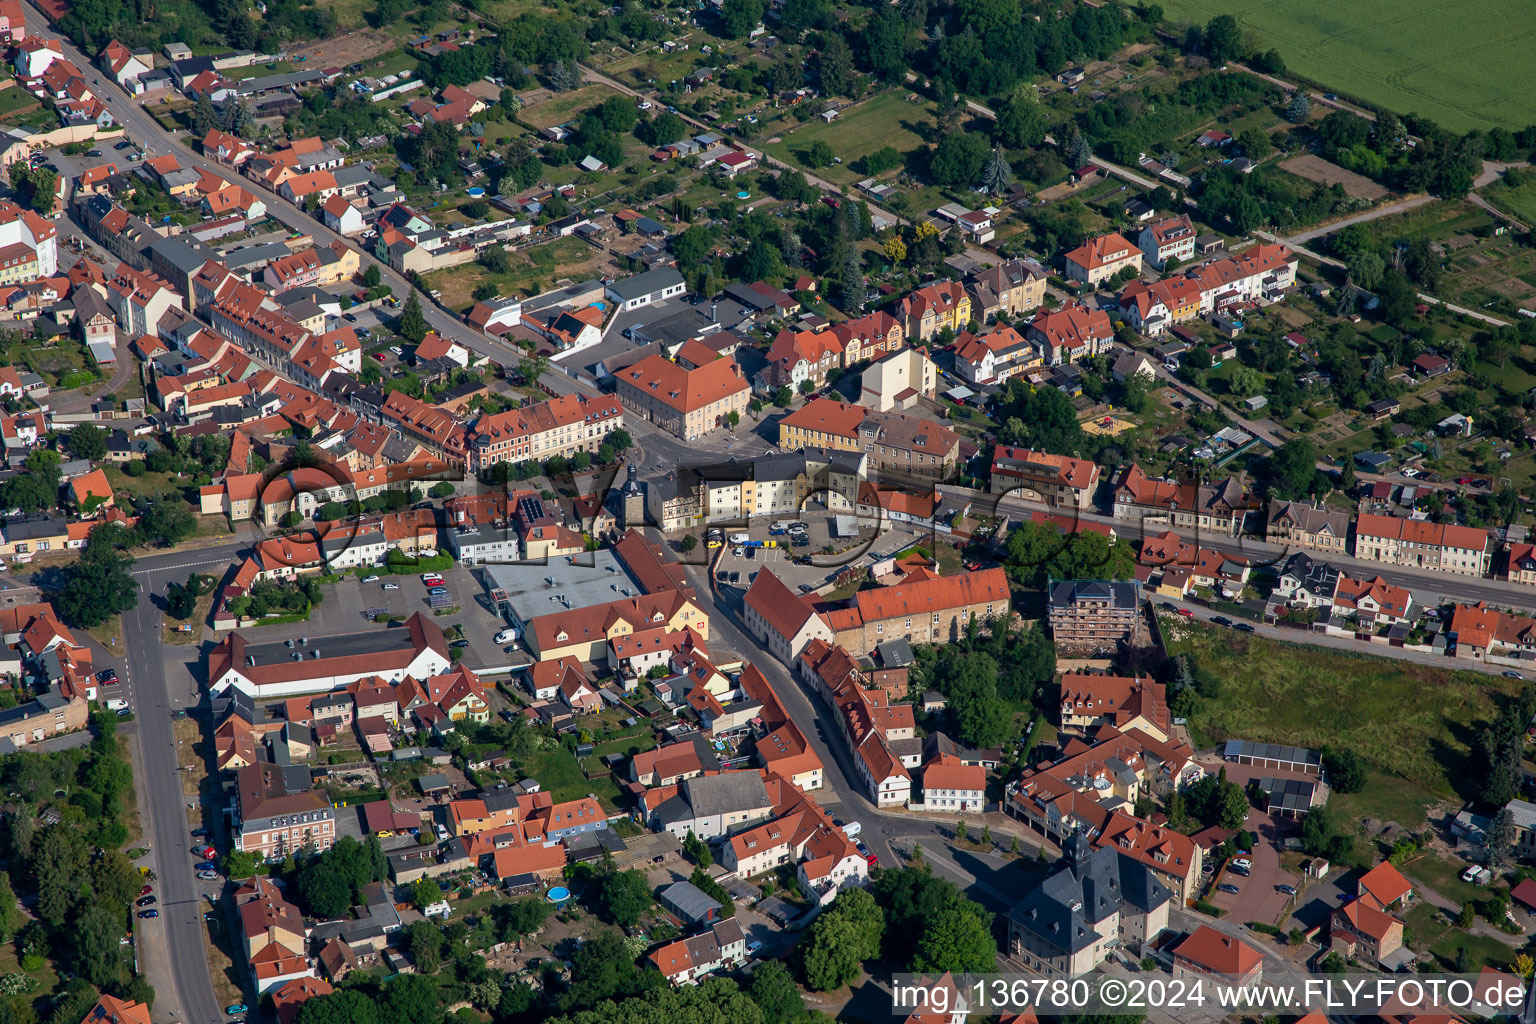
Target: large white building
29	245
322	663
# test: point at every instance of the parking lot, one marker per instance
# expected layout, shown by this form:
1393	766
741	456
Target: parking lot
350	605
807	567
1257	897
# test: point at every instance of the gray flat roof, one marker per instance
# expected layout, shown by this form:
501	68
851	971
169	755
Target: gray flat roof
535	589
340	645
1271	752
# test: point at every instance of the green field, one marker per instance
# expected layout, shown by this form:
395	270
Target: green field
1465	65
1411	722
886	120
1517	202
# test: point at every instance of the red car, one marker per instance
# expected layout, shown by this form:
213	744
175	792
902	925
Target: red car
205	852
146	890
973	566
872	860
1463	480
1186	613
378	355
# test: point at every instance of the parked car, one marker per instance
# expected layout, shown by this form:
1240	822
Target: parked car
435	591
145	902
1231	890
208	865
106	677
208	876
506	716
123	145
431	579
373	578
1512	674
460	642
1244	627
149	913
391	586
1168	606
1289	890
146	890
236	1008
506	636
116	704
1186	613
1221	620
380	356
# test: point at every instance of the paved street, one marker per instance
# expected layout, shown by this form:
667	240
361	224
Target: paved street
160	680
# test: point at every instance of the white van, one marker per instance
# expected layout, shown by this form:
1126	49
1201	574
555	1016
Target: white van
740	538
506	636
116	704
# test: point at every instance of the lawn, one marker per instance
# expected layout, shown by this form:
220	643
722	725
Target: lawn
1462	65
1431	930
15	99
565	106
1518	202
886	120
1411	722
532	271
560	775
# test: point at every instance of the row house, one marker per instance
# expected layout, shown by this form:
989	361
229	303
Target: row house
935	307
558	426
1295	524
1014	287
923	608
799	832
797	356
139	300
1081	794
1172	238
880	735
1420	544
994	357
1186	566
867	338
1060	481
1153	309
1261	274
687	403
1221	509
1071	333
1090	700
685	961
891	441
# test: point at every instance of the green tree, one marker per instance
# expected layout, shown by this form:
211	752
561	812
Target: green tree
835	61
774	991
817	155
997	175
828	955
240	864
1223	39
1501	837
425	893
626	896
1344	768
1020	123
97	586
10	912
372	276
88	441
412	325
345	1006
424	942
958	939
738	17
167	522
1300	107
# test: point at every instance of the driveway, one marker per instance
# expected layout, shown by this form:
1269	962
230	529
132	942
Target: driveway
1257	899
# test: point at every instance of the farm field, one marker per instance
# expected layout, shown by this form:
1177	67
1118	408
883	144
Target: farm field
1465	65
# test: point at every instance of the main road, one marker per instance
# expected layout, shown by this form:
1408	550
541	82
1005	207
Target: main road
160	681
